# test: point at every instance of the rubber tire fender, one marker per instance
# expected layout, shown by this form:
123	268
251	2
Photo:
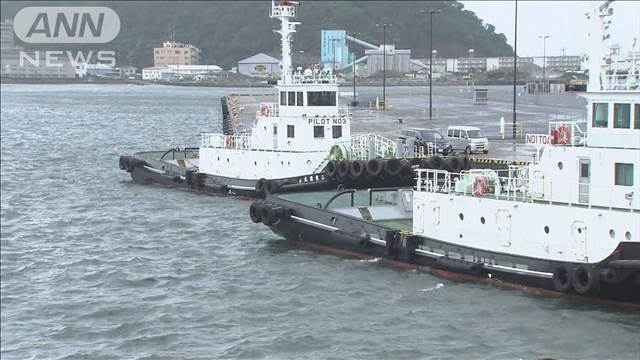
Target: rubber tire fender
343	169
374	168
454	165
260	188
272	187
254	212
264	214
437	162
122	163
331	169
562	278
392	168
585	279
357	170
189	177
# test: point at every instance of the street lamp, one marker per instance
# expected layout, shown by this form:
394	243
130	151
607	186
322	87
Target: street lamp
431	12
354	102
544	61
384	63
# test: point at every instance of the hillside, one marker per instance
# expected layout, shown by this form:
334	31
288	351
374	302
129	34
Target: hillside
228	31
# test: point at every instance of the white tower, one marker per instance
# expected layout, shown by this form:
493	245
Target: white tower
284	11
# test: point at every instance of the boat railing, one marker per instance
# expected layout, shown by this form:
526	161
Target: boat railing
222	141
516	184
569	133
621	81
367	146
478	183
314	79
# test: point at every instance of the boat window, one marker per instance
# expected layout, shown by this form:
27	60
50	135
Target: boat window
300	96
318	131
622	116
283	98
292	98
600	115
624	174
321	98
336	131
636	122
291	131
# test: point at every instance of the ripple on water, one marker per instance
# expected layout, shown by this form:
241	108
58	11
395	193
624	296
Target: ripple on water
95	266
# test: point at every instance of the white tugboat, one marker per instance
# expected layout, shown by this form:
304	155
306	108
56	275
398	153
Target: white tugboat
289	143
568	222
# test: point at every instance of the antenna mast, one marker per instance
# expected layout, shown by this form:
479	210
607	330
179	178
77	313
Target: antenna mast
285	11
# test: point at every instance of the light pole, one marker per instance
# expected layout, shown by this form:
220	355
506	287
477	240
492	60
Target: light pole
384	64
544	61
431	12
354	102
515	69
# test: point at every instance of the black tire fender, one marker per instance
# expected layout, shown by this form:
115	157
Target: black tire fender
374	168
331	169
392	167
585	279
272	187
562	278
260	188
356	170
254	212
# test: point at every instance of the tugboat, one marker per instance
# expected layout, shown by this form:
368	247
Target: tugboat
288	146
568	223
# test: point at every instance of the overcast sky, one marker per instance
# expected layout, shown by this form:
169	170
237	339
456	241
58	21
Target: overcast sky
565	21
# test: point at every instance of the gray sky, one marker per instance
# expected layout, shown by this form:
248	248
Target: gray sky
563	20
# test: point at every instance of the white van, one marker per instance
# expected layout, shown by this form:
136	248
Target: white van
467	139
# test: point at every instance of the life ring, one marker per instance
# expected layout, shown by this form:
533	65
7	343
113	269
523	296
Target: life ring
227	142
564	135
479	186
264	110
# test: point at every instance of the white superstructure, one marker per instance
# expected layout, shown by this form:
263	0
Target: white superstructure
576	203
290	137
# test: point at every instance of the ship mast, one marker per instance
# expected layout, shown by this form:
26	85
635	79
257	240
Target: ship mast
599	35
284	11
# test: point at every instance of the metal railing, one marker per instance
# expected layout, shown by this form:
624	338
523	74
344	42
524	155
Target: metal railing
366	146
621	81
309	79
519	186
222	141
568	133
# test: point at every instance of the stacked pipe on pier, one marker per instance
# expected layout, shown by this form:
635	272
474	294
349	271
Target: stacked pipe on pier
227	127
391	172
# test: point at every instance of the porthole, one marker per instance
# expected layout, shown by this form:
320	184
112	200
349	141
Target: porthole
218	158
460	235
282	163
227	159
482	219
560	165
461	216
579	230
627	235
255	163
612	233
546	229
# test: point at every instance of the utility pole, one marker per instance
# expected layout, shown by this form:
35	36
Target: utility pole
354	102
431	12
384	64
544	61
515	68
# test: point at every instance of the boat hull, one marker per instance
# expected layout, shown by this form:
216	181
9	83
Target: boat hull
330	231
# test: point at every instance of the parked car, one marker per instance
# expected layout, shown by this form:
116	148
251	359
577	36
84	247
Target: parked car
422	137
468	139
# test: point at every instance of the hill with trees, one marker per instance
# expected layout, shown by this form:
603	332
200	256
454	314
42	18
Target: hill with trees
228	31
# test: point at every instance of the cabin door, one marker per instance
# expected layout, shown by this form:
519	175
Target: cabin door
503	222
275	136
584	180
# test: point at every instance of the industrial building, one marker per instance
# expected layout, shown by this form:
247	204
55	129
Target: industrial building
396	60
334	52
260	65
174	53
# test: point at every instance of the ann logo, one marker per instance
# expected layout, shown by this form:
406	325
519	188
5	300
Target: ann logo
41	25
63	24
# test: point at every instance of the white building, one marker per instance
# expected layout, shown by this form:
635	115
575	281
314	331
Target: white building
259	65
179	72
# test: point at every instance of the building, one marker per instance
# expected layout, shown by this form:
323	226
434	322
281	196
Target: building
179	72
564	63
506	62
21	64
7	40
471	64
334	51
259	65
96	70
174	53
396	60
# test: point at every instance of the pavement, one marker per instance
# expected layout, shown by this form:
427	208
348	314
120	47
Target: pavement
451	105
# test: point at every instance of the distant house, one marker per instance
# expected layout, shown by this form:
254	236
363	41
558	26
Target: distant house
259	65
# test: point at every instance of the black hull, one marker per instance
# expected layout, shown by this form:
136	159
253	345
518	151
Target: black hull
333	232
149	171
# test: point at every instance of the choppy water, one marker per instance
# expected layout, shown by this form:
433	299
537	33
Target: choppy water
95	266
